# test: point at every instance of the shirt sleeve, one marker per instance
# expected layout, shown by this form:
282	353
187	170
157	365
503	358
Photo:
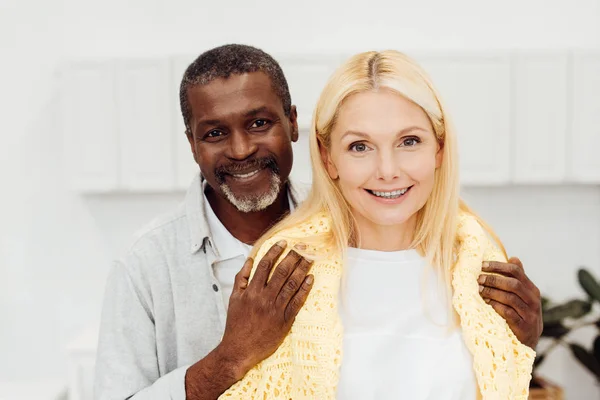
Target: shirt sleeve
126	360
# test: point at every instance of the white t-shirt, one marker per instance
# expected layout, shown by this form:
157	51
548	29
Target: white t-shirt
395	347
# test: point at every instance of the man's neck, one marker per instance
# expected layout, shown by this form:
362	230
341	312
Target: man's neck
248	227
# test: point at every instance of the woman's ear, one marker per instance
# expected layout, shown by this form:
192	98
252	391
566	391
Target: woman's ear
326	158
439	156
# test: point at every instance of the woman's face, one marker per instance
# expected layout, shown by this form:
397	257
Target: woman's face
384	155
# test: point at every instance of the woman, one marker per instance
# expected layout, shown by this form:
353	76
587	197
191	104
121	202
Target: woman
394	311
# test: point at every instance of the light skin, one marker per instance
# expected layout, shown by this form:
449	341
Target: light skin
383	144
235	122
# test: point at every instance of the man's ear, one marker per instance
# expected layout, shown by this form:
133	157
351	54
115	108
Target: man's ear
294	123
190	138
326	158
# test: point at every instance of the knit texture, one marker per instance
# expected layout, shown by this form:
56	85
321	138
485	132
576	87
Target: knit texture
307	364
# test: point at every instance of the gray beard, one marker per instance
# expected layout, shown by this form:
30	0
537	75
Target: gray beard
249	204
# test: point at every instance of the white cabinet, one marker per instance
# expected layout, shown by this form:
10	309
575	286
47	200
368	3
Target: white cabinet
145	125
81	360
185	166
540	105
585	140
306	77
90	127
476	92
525	117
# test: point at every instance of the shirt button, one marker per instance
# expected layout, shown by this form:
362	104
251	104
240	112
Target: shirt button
215	288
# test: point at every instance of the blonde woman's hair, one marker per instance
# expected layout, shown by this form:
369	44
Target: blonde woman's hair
435	235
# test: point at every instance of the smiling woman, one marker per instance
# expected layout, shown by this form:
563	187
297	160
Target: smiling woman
385	213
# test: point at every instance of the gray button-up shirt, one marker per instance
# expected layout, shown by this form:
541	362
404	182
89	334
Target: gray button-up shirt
163	310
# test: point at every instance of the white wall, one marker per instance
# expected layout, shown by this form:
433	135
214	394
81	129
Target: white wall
55	245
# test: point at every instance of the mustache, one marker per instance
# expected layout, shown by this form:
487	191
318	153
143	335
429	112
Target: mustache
237	167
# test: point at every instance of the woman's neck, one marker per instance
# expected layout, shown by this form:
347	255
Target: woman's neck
372	236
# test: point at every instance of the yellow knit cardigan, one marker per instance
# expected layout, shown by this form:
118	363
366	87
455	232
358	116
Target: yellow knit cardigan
307	364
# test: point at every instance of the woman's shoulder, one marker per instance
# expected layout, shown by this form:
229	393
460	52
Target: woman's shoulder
310	229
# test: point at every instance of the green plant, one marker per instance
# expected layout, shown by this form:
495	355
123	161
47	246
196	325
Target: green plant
562	319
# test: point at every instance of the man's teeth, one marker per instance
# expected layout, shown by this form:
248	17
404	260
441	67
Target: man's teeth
390	195
248	175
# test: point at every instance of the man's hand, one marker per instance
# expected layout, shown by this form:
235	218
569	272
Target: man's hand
514	297
260	315
261	312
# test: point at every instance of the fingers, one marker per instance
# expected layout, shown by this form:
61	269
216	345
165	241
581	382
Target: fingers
283	271
242	277
507	299
297	302
509	314
293	283
507	269
505	284
517	262
265	265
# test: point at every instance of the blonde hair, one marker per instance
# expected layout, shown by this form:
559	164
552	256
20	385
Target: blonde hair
435	235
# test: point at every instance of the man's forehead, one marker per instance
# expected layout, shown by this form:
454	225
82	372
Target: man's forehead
232	95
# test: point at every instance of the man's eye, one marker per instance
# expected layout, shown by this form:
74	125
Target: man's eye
214	133
259	123
359	147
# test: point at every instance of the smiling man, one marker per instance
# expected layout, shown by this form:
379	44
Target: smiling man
181	320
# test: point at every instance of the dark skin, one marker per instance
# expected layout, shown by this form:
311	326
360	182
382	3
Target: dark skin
236	121
515	297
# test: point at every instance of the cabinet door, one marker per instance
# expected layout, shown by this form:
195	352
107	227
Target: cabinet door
185	166
306	76
91	137
145	125
540	104
476	91
585	142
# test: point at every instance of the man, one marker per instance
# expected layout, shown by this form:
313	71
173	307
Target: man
178	323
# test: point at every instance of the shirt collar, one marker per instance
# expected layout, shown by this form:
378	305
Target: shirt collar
197	207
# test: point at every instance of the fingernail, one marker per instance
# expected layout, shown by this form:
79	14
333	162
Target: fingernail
485	264
488	300
481	279
281	243
300	246
480	288
310	279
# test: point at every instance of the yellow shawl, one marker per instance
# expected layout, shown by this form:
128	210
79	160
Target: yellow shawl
307	364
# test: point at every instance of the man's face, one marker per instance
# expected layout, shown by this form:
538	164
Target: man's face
242	139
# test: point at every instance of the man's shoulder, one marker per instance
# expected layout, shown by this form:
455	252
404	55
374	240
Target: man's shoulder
168	233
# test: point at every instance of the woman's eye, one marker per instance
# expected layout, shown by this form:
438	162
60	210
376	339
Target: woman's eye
359	147
409	142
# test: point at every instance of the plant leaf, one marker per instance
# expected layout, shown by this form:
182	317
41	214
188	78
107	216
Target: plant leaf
538	360
545	303
571	309
555	330
586	358
589	284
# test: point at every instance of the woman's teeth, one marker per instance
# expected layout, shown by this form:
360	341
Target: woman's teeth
389	195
